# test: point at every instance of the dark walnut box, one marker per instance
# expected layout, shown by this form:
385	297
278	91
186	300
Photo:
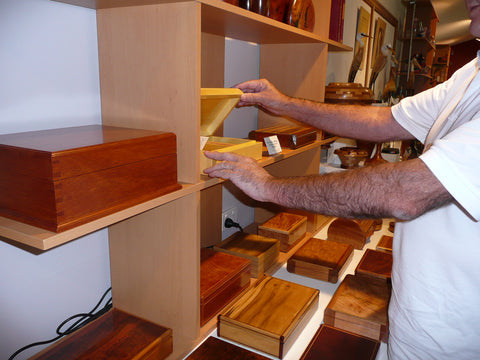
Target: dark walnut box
222	278
61	178
289	136
216	349
376	264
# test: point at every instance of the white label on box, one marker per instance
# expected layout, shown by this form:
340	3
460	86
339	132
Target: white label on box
273	145
203	141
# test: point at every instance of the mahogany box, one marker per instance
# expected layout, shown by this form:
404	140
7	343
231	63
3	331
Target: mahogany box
262	251
385	243
289	136
269	316
61	178
222	278
351	231
321	259
114	335
286	227
359	305
330	343
376	264
216	349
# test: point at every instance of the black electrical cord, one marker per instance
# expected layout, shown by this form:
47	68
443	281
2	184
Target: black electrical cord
230	223
83	320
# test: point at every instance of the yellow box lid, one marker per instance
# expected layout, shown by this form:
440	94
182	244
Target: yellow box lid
217	104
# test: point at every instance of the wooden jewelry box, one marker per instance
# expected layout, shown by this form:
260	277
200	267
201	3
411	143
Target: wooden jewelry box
286	227
289	136
269	316
321	259
217	349
61	178
222	278
351	231
360	305
385	243
330	343
216	105
376	264
261	251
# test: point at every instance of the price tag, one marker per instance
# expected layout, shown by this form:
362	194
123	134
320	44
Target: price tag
203	141
273	145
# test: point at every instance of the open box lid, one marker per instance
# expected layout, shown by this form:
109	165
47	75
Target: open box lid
217	104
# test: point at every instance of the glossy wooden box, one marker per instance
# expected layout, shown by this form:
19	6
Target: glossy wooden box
330	343
216	349
351	231
385	243
222	278
286	227
61	178
114	335
376	264
262	251
216	105
269	316
360	305
321	259
289	136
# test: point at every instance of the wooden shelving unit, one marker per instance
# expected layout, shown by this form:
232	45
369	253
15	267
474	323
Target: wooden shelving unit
154	56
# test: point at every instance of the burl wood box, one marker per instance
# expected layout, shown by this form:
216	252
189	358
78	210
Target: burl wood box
330	343
385	243
217	349
216	105
222	278
289	136
321	259
114	335
376	264
351	231
269	316
360	305
262	251
286	227
58	179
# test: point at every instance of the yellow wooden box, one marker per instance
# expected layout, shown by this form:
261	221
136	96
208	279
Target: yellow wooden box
216	105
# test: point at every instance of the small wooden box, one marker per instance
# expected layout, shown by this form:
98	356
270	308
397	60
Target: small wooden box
321	259
351	231
330	343
385	243
58	179
114	335
269	316
289	136
286	227
376	264
216	105
360	306
261	251
217	349
222	278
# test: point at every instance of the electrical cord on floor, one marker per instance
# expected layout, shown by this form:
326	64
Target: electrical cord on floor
230	223
83	319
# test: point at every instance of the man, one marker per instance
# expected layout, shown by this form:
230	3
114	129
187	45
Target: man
434	312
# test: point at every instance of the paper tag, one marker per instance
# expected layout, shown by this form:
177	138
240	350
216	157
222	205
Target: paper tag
203	141
273	145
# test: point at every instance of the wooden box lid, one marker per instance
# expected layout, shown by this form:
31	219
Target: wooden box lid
269	315
283	222
360	305
289	136
376	264
217	349
216	105
321	259
330	343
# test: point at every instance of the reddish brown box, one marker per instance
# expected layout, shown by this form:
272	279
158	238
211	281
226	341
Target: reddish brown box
351	231
61	178
222	278
385	243
291	137
376	264
216	349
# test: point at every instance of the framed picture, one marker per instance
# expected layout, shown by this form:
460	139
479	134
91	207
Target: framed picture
379	39
363	26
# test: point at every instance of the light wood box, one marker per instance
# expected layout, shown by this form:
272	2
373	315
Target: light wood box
260	250
321	259
360	305
351	231
216	105
269	316
286	227
222	278
114	335
376	265
61	178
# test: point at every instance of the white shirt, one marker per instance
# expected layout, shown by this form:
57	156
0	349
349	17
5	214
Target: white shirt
434	311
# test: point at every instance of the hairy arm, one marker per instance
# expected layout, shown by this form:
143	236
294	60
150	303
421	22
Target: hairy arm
402	190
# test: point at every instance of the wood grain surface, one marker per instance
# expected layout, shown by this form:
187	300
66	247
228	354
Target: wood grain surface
351	231
376	264
217	349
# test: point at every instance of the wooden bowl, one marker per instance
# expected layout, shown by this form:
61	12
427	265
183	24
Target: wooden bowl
351	157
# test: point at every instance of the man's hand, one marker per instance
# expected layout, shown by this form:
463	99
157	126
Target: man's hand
243	171
263	94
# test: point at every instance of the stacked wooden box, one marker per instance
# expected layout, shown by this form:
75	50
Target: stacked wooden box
288	228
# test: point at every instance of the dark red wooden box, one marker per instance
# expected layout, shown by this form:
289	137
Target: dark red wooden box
61	178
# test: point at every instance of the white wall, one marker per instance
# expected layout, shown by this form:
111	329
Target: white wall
48	79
